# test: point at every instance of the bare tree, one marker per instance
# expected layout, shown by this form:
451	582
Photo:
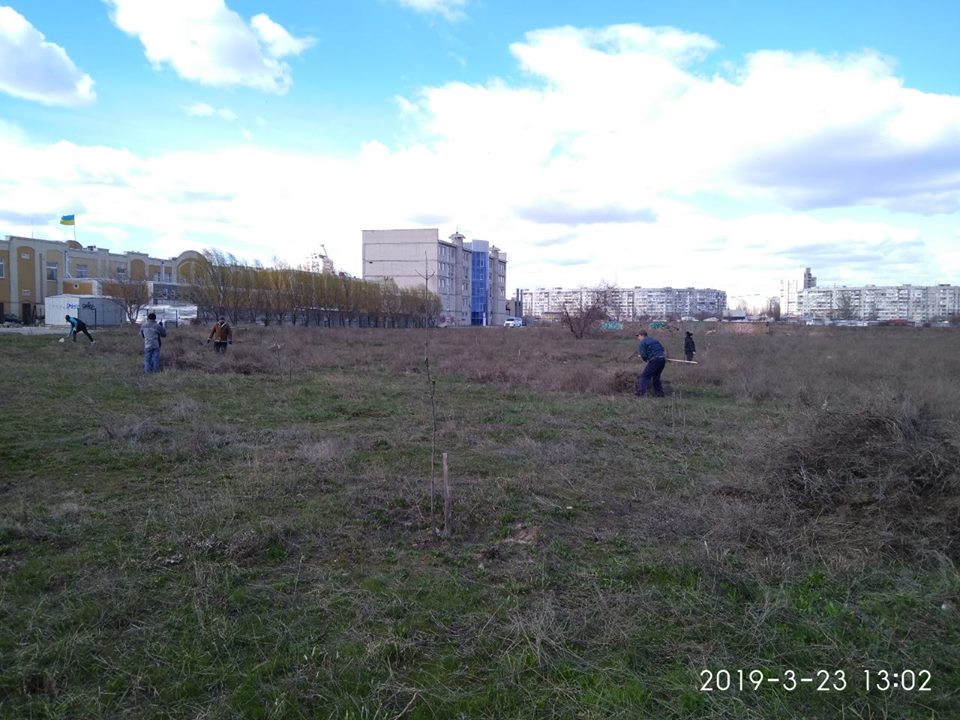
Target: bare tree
582	316
773	308
846	308
129	294
607	297
210	279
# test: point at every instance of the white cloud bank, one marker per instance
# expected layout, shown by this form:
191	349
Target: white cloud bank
32	68
206	42
614	160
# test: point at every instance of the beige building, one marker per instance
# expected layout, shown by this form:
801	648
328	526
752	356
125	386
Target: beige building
31	270
470	277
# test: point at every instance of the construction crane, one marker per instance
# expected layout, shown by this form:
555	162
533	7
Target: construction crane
321	262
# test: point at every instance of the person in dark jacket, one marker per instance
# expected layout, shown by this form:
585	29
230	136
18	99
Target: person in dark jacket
151	332
689	347
651	351
78	326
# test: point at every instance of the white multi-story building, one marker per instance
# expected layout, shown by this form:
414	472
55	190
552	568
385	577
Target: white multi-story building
916	303
627	303
789	292
470	277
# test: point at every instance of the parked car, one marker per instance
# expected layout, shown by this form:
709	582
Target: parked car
513	322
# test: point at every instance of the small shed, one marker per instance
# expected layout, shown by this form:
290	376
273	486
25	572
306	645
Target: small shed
94	310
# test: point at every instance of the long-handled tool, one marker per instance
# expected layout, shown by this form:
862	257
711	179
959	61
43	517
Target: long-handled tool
676	360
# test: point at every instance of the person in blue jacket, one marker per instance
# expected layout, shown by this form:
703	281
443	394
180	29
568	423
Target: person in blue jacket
651	351
78	326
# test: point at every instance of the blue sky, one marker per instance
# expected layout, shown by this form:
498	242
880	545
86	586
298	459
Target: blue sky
718	144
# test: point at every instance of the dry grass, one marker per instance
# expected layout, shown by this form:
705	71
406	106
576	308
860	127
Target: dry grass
249	535
864	435
886	469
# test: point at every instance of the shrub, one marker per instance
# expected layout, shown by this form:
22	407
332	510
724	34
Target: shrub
879	461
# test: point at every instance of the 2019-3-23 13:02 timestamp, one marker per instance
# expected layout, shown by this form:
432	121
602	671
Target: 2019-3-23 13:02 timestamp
905	680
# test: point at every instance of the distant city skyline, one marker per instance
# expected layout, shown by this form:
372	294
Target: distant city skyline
676	144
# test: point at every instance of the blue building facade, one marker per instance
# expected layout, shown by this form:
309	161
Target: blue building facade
479	282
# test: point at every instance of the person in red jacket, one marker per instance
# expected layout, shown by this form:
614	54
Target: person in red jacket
222	335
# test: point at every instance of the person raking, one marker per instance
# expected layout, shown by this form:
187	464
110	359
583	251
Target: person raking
651	351
78	326
222	335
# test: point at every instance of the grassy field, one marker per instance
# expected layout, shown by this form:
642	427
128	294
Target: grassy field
251	536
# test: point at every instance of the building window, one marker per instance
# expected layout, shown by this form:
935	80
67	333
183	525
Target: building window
121	271
81	271
52	271
1	268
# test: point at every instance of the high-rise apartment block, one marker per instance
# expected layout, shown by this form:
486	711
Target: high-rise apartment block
627	303
790	289
802	299
916	303
470	277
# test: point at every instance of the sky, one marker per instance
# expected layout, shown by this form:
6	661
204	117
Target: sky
711	143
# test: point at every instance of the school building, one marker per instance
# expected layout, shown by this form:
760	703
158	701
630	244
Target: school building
33	269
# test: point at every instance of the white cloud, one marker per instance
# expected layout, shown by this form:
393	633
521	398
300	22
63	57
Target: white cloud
32	68
449	9
656	175
277	40
206	42
201	110
205	110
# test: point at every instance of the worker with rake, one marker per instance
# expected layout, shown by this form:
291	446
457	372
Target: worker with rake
78	326
222	335
651	351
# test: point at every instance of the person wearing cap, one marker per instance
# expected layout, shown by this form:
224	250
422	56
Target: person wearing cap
151	332
689	346
222	335
651	351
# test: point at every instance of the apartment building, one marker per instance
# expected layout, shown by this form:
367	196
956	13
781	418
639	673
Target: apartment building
790	289
33	269
470	277
627	303
917	303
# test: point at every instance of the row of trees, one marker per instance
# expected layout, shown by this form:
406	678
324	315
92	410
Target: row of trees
220	285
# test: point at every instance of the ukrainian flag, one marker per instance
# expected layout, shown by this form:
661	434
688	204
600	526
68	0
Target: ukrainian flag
67	220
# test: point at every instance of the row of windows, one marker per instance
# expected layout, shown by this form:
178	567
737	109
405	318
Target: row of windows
82	271
446	285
